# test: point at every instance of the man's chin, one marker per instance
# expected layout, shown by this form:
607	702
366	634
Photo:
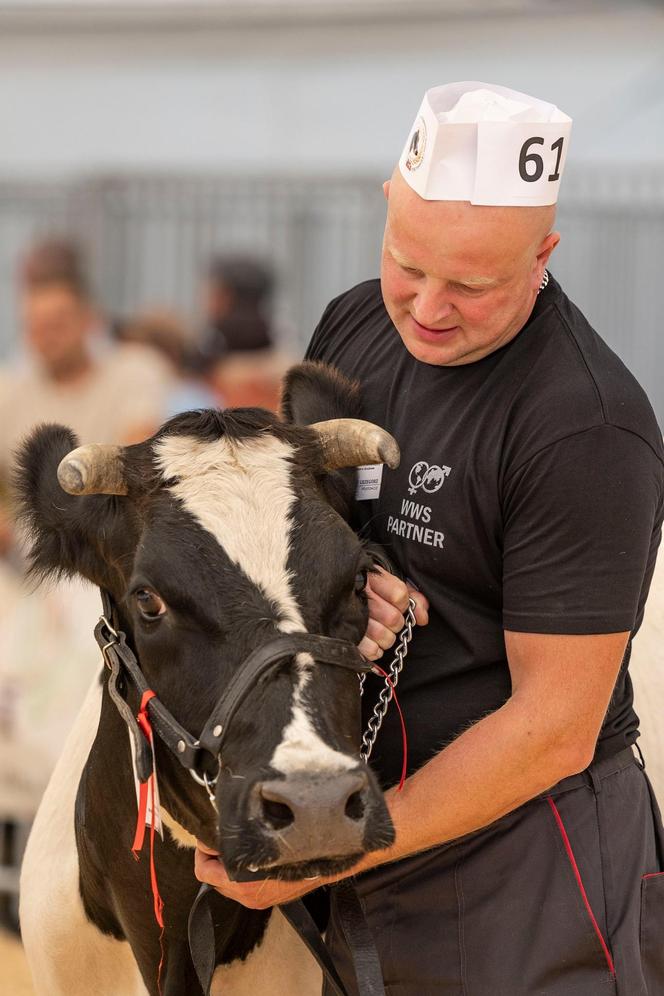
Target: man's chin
435	354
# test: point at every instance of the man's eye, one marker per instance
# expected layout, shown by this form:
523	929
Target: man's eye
360	581
473	291
150	605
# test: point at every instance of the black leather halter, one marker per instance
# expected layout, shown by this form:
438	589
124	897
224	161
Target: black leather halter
201	756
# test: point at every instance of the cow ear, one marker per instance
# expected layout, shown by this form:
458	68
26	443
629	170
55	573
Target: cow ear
69	535
315	392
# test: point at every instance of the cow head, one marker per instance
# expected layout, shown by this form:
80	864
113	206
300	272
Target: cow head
221	532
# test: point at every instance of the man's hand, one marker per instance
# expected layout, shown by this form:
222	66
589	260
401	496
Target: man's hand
388	600
259	895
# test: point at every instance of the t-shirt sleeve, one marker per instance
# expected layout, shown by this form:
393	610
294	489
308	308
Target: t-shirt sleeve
578	525
316	348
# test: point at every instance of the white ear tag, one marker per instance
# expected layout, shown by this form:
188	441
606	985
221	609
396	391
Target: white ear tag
153	777
369	477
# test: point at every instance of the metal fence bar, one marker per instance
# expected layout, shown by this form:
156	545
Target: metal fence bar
150	237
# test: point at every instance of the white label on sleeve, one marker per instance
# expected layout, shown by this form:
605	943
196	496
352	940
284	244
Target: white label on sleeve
369	477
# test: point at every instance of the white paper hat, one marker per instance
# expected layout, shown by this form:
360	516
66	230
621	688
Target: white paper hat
486	144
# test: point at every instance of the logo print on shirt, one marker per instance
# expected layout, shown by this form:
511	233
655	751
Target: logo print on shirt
428	478
415	520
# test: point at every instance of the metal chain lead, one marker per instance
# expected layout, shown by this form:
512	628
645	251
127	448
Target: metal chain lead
394	670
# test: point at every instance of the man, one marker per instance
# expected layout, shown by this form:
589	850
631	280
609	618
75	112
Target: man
528	508
70	377
236	302
238	351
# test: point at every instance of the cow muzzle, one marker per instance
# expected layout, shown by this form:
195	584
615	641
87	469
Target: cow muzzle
311	817
302	825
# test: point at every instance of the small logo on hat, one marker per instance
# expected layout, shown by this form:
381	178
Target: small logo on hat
417	145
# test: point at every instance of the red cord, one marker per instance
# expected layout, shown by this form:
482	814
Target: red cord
404	737
579	881
148	787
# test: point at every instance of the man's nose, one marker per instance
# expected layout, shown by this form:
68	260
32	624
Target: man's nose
432	307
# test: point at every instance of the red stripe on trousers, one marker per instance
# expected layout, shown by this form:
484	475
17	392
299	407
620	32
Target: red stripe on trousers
579	882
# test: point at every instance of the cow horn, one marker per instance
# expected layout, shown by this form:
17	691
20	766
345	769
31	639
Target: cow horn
351	442
93	470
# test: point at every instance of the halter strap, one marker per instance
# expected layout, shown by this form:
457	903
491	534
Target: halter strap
202	755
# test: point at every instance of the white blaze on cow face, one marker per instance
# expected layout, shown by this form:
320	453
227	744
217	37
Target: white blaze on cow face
241	492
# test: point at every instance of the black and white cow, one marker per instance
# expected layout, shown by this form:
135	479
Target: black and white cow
213	537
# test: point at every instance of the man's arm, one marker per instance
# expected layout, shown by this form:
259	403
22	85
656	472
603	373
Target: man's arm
547	730
561	687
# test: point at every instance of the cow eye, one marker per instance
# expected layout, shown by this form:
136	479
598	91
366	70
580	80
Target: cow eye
360	581
150	605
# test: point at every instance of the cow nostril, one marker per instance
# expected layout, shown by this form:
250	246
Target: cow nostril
277	814
355	806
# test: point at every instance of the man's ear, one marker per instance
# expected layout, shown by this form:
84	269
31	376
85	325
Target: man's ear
315	392
386	189
543	255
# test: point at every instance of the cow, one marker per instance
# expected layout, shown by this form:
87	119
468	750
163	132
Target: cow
221	533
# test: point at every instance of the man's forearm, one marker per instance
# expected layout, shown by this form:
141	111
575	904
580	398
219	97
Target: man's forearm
491	769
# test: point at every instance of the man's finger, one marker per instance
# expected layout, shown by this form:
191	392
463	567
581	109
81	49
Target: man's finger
384	612
207	868
421	606
384	637
389	588
369	649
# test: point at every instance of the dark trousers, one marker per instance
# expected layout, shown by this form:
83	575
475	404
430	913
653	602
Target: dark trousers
562	897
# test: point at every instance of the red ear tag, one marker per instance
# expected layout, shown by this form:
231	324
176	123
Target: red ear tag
147	794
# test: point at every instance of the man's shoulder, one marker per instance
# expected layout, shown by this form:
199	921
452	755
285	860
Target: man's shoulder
365	295
573	381
349	323
620	397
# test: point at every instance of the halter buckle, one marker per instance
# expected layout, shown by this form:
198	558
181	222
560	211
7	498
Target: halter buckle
209	784
115	637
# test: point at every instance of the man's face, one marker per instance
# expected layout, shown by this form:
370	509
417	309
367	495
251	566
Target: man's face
459	281
56	324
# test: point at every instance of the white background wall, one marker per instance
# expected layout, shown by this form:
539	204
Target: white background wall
332	94
329	88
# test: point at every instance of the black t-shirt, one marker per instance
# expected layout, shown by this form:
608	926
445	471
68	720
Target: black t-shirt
529	497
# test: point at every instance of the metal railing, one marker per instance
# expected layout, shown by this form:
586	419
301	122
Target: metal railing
149	239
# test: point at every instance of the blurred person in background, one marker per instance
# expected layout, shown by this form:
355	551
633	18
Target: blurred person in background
109	396
237	298
113	395
167	334
238	346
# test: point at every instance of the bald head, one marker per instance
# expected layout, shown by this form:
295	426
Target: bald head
512	230
469	271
